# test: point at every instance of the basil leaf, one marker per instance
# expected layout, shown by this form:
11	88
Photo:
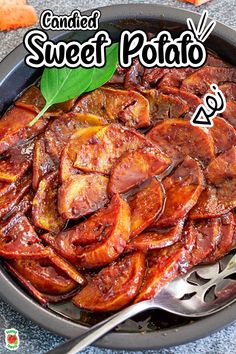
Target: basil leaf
60	85
102	75
63	84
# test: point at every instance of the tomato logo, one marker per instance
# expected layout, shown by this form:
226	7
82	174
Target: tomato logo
12	339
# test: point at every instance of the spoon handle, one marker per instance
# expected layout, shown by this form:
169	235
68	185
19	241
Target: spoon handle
75	345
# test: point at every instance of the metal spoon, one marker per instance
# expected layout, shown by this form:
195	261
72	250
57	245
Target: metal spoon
201	292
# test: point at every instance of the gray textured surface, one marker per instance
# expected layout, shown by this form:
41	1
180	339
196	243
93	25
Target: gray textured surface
35	340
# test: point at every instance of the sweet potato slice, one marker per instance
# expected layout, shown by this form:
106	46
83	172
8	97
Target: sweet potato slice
62	128
222	167
208	233
44	212
23	207
13	17
178	138
174	77
133	76
229	90
163	266
166	264
155	239
114	286
75	143
42	162
225	240
106	146
128	107
189	98
42	298
145	206
14	127
200	80
81	195
230	113
223	134
18	239
115	235
207	205
5	187
220	195
98	240
16	162
183	189
135	167
45	276
215	201
33	100
196	2
10	199
164	106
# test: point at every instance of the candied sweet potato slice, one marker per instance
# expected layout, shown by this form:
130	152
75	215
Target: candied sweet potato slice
44	276
68	156
128	107
222	167
43	298
207	205
5	187
16	162
220	195
10	199
105	147
150	240
230	113
183	188
135	167
201	79
42	162
18	239
114	286
174	77
207	234
163	266
178	138
115	235
166	264
33	100
225	240
23	207
44	212
14	127
98	240
223	134
189	98
133	76
145	206
229	90
62	128
215	201
81	195
164	106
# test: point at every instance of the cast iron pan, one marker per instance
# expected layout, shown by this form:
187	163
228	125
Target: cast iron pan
153	329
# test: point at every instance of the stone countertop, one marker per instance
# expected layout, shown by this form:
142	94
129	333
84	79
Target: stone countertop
35	340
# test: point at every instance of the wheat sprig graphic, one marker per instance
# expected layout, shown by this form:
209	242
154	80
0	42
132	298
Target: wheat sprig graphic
203	30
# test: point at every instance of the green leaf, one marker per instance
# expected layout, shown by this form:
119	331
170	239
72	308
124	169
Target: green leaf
102	75
60	85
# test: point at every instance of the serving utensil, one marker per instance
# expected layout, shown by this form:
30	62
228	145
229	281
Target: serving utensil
203	291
